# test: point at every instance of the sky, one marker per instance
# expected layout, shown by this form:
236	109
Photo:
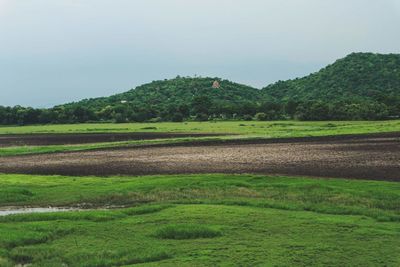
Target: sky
52	52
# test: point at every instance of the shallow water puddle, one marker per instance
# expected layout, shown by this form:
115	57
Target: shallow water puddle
10	211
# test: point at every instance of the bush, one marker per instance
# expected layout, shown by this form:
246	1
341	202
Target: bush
155	120
120	118
247	117
201	117
261	116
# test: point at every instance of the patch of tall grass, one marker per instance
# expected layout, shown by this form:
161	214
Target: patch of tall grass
187	231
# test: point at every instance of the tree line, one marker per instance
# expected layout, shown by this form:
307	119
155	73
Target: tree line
201	108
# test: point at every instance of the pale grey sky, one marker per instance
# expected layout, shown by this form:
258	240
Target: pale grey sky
55	51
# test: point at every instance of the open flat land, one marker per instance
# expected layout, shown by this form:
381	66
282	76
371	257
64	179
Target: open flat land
361	157
201	220
217	194
9	140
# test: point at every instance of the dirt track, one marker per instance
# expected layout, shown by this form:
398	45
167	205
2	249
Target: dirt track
61	139
363	157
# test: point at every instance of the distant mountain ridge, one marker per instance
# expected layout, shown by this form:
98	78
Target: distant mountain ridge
361	86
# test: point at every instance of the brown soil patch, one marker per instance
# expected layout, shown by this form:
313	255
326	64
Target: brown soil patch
67	139
360	157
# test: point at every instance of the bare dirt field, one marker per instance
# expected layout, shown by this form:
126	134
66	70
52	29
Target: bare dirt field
66	139
374	157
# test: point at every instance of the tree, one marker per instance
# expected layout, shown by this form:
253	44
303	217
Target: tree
177	117
81	114
291	107
201	105
201	117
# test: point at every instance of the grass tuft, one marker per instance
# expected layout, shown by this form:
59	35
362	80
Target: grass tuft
187	231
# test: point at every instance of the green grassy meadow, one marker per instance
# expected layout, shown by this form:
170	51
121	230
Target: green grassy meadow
263	128
232	129
201	220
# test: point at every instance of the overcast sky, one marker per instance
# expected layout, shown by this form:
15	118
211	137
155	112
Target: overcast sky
55	51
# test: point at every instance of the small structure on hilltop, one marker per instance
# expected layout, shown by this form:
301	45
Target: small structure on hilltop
216	85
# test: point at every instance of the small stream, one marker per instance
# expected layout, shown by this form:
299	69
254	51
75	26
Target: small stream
16	210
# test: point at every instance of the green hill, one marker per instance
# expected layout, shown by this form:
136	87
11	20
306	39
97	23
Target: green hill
359	86
175	99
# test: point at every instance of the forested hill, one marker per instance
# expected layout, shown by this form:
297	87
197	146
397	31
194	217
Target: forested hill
174	100
359	86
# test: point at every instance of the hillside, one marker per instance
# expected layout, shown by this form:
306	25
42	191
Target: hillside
175	99
359	86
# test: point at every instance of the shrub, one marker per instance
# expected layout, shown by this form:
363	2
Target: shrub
247	117
261	116
201	117
154	120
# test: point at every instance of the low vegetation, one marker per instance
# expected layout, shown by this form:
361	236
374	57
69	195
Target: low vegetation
274	129
186	231
379	200
201	220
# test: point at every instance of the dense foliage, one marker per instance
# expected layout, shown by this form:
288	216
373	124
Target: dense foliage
359	86
177	99
362	86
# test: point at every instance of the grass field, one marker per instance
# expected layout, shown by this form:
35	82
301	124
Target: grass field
241	130
202	220
253	128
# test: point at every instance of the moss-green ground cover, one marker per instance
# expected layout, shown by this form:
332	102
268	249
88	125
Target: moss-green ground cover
202	220
267	128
